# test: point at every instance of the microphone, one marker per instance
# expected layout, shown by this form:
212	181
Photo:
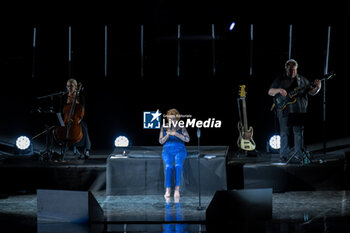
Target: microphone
198	133
63	92
329	75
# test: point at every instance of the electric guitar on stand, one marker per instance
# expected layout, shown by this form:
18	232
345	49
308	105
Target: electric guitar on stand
245	140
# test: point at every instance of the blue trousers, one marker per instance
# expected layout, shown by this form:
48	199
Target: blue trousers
173	157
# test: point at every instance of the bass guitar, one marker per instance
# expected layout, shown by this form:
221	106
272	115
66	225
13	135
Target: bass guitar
245	140
280	102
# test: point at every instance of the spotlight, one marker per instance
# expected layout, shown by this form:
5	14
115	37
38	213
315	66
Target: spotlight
22	143
275	142
232	26
24	146
121	141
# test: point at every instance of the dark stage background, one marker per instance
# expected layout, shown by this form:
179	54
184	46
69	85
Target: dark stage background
115	103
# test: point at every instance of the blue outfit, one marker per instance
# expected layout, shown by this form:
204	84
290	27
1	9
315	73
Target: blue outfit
174	154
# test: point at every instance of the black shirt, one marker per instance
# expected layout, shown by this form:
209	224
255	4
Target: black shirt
300	106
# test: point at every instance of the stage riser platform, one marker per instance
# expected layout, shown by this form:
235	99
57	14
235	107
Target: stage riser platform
29	179
330	176
146	176
141	172
28	175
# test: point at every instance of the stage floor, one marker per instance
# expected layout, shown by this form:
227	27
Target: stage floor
321	206
299	210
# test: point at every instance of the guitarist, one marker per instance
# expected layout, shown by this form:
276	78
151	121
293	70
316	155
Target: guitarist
283	85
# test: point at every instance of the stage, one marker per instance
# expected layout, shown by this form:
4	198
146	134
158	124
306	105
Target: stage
305	197
292	212
220	65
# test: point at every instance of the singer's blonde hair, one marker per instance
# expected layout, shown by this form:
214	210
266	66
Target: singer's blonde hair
173	112
72	80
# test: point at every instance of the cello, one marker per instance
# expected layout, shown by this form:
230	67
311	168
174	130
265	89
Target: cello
71	132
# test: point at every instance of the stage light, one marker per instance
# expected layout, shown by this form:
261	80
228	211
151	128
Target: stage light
121	144
275	142
121	141
22	143
232	26
23	146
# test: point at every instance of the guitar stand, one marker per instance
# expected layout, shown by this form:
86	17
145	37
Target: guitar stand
303	159
46	154
244	153
291	157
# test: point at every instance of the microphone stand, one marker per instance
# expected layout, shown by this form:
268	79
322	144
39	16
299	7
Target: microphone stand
47	153
199	207
52	95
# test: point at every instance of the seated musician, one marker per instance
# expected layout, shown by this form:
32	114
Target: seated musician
283	85
68	99
173	138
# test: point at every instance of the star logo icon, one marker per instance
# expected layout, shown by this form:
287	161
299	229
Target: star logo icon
151	119
156	115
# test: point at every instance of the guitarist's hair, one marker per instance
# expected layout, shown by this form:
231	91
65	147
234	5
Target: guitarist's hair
291	61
